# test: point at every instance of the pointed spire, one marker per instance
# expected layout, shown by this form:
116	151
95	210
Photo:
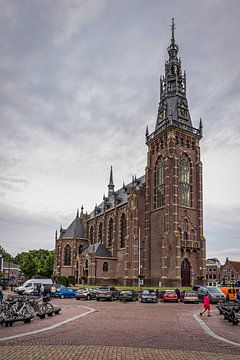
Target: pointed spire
200	127
173	27
111	184
77	212
56	235
81	215
146	133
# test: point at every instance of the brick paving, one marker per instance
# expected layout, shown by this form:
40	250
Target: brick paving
124	331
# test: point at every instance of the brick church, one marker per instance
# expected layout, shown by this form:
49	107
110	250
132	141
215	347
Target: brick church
150	230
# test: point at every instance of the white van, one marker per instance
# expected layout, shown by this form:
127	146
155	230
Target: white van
31	285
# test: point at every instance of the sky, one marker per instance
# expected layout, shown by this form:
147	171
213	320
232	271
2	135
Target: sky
79	84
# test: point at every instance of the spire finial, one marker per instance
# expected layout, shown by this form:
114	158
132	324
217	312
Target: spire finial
173	27
77	212
81	215
111	184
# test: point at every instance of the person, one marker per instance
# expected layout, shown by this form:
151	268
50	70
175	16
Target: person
1	296
42	291
238	300
157	293
206	304
177	291
53	290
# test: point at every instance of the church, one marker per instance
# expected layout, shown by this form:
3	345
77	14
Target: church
150	231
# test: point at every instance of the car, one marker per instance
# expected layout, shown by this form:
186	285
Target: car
148	296
107	293
230	293
87	294
170	296
189	296
64	292
215	294
128	295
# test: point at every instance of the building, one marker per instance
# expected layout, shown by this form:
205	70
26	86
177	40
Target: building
152	228
213	272
230	272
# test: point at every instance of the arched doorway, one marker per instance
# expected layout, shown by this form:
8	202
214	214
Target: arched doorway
185	273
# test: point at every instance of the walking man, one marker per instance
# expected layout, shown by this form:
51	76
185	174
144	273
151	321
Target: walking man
206	304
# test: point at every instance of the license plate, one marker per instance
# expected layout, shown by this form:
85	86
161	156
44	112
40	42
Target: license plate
220	300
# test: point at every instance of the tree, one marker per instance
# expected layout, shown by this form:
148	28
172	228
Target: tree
6	256
37	263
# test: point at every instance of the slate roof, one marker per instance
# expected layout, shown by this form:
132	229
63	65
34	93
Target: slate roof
75	229
99	250
119	197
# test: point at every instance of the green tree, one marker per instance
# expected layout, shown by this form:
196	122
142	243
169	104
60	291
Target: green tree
38	263
28	265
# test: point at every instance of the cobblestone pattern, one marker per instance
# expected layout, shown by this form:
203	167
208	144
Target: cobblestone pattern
119	327
104	352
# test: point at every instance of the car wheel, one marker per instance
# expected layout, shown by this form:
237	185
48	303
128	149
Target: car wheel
88	297
97	299
62	296
77	298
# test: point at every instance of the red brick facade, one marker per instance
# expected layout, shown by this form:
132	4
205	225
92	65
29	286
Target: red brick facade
152	228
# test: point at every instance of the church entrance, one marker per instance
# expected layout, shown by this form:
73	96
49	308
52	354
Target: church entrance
185	273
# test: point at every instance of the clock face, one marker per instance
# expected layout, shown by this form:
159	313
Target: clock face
183	113
161	115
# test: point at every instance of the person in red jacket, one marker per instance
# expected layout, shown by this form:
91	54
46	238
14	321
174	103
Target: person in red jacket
206	304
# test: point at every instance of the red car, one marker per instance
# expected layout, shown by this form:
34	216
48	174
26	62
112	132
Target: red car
170	295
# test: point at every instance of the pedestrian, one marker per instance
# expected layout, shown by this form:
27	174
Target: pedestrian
177	291
1	296
157	293
53	290
206	304
42	291
238	300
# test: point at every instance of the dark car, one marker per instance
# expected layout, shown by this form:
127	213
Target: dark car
128	295
148	296
107	293
87	294
215	294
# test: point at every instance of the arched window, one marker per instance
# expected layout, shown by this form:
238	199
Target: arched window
91	234
100	233
80	249
110	232
123	230
159	183
67	255
185	229
105	266
184	181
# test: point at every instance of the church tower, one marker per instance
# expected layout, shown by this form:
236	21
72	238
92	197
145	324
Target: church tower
173	249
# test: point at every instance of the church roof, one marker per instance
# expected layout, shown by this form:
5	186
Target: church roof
75	229
118	197
99	250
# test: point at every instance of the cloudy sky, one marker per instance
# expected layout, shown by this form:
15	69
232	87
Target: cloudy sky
79	84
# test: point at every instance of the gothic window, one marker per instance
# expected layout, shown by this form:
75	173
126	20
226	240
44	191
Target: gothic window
80	249
110	232
67	255
184	181
100	233
159	183
123	230
185	229
91	234
105	266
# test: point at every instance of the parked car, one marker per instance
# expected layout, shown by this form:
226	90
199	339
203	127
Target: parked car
32	286
64	292
128	295
107	293
148	296
215	294
189	296
170	296
87	294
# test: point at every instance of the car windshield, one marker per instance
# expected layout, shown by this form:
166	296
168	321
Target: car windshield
148	292
214	290
126	292
190	293
103	289
170	292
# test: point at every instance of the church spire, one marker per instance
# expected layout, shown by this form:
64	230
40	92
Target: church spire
111	184
173	105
